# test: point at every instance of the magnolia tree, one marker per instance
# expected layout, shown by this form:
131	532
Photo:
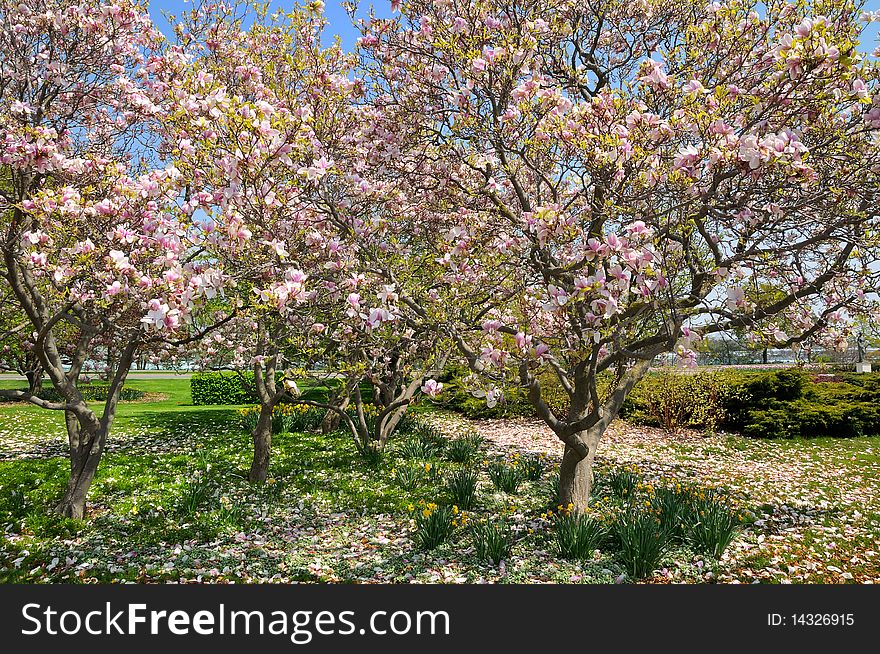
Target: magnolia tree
93	252
369	336
616	175
273	131
261	108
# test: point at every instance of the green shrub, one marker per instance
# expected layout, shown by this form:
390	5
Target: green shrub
493	539
91	393
457	396
782	385
788	403
674	400
805	419
506	477
642	539
434	525
577	535
230	387
220	388
462	487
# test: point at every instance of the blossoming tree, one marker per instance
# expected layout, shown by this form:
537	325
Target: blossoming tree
272	131
93	251
261	106
618	173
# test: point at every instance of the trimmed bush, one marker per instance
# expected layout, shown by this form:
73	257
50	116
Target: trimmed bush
790	404
91	393
220	388
230	387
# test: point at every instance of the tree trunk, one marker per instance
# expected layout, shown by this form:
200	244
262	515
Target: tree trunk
390	424
35	380
332	420
575	479
262	436
576	474
764	356
86	449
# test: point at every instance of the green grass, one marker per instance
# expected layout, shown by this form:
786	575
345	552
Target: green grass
171	501
155	450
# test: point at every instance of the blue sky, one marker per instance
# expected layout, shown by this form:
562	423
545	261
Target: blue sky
339	23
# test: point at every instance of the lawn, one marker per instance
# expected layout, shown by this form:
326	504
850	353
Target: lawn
171	503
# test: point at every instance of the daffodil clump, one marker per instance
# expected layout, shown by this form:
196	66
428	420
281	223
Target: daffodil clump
465	448
506	475
656	517
285	417
711	522
434	523
407	476
410	475
643	540
577	535
624	481
417	448
533	466
493	538
461	484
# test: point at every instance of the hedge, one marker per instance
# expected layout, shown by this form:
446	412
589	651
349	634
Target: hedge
787	403
457	397
228	387
93	393
221	388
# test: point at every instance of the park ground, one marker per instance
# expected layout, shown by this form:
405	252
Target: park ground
171	503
